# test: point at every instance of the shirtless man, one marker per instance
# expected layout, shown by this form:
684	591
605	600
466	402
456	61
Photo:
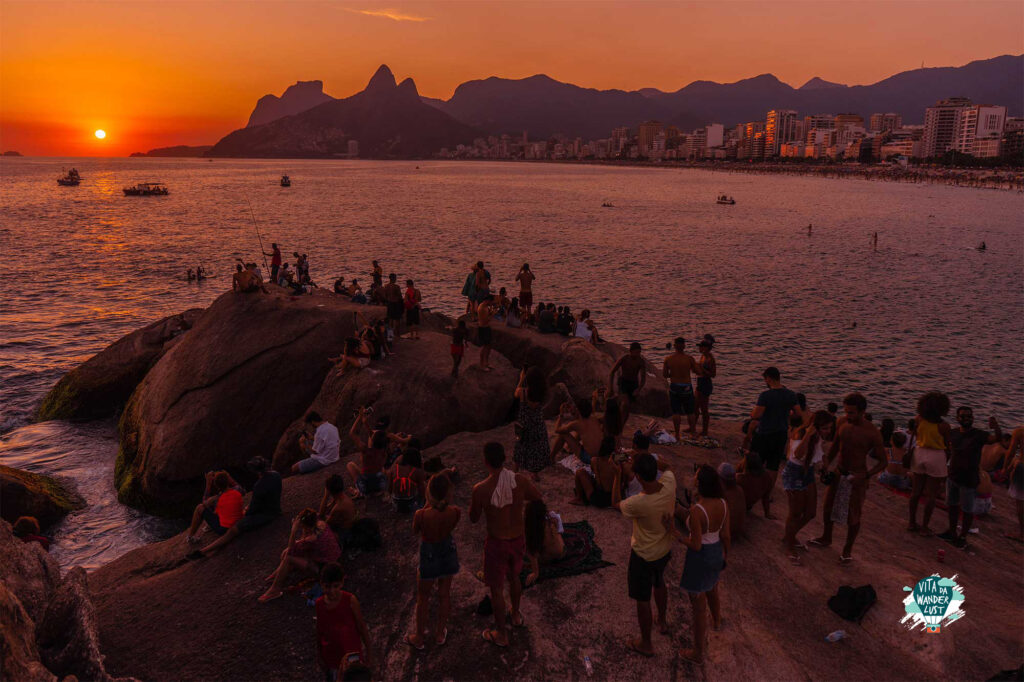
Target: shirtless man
484	313
525	279
993	455
583	435
854	440
483	282
632	378
500	498
596	489
393	297
677	369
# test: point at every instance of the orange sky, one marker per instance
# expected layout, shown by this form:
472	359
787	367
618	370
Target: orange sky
187	72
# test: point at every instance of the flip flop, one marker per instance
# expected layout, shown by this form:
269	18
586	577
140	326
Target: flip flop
845	560
795	559
443	638
817	543
489	637
632	646
417	647
521	623
263	598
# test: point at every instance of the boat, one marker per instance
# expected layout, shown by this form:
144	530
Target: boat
286	181
722	199
607	204
146	189
70	179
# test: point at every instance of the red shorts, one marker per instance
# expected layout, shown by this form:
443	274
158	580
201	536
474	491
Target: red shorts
526	299
457	350
502	557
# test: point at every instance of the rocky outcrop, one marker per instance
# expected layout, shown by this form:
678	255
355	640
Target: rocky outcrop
28	572
19	655
67	635
250	366
101	385
415	389
23	493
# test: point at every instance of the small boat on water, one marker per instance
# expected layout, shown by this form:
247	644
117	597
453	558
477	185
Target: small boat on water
722	199
286	181
70	179
146	189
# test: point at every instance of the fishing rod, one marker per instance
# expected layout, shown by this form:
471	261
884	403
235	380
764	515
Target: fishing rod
258	234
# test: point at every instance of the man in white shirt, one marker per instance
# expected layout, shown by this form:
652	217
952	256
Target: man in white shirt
324	449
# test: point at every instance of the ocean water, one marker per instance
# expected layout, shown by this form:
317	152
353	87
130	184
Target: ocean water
85	265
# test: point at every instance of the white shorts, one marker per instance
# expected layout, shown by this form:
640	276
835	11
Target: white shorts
929	462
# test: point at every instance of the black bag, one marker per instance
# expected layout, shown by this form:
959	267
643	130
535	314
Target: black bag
365	535
852	603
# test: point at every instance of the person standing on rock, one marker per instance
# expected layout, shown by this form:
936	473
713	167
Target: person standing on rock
264	507
482	283
650	545
525	279
275	261
469	291
411	302
768	431
439	559
393	298
459	335
632	369
377	275
854	440
500	499
677	368
532	450
323	451
485	335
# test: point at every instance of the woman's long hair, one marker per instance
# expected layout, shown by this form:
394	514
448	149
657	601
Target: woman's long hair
536	517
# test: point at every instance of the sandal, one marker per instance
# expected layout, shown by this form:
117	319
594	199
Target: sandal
521	623
489	636
443	638
418	647
264	598
631	644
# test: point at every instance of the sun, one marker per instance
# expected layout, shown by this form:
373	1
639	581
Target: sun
100	134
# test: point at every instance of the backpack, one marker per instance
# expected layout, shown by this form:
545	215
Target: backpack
405	493
365	535
852	603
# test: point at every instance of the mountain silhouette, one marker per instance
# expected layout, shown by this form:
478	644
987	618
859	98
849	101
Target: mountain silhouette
820	84
297	98
387	121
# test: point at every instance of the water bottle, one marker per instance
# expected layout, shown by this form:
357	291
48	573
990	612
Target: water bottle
836	636
588	665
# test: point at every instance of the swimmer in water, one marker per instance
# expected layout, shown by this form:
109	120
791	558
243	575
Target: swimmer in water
981	246
808	229
874	241
190	276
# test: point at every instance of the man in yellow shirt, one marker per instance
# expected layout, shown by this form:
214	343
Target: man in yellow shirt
651	544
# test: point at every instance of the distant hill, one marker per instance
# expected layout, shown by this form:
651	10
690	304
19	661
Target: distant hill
180	150
302	96
388	120
12	153
543	106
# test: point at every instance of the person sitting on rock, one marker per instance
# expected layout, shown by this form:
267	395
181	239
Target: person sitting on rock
311	545
221	507
264	507
355	356
582	435
641	446
343	640
594	487
26	529
323	451
244	281
337	509
369	473
544	542
407	482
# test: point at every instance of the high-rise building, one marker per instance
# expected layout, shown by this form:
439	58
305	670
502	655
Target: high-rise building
645	134
849	121
817	122
780	126
980	130
880	123
715	135
942	125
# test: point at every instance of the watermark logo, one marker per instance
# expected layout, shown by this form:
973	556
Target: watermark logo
933	603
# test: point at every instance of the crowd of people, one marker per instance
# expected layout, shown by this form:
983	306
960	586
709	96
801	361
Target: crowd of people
838	447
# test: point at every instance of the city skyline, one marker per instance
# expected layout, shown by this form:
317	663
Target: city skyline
152	76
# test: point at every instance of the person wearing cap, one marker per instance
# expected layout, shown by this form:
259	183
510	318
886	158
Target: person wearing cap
708	369
264	507
734	498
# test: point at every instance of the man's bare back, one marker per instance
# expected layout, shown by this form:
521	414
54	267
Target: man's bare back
483	314
590	432
505	523
632	367
678	367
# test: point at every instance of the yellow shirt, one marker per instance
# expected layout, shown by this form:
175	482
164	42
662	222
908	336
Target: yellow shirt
928	435
651	540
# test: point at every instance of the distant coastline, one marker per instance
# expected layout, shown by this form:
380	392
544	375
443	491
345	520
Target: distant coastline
177	151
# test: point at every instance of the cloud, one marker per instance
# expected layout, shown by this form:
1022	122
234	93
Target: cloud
392	14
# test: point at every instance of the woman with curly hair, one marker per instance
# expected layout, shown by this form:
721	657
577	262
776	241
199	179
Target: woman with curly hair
928	465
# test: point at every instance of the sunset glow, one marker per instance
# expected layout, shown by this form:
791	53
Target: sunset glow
100	134
162	76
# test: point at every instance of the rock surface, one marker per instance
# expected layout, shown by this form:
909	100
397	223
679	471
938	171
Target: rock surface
775	613
67	635
224	393
23	493
415	389
28	572
19	656
101	385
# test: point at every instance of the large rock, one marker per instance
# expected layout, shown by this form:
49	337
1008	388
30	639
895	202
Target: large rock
67	635
100	386
250	366
23	493
415	389
19	656
28	572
